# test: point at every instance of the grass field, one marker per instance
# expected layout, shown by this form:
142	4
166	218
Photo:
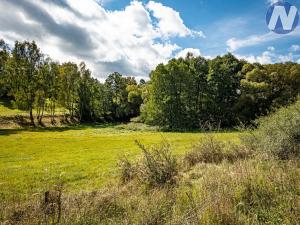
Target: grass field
84	157
211	184
7	109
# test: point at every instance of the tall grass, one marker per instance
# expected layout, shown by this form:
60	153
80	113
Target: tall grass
253	191
211	150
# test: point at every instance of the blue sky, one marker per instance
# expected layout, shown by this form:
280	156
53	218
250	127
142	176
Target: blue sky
132	37
222	20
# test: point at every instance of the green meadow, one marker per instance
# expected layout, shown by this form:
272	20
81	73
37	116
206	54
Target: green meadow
84	157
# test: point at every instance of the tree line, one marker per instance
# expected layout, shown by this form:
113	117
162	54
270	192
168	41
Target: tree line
194	92
34	82
186	93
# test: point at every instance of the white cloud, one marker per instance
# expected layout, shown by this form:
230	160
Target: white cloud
128	41
235	44
183	53
298	61
169	21
295	48
272	1
269	57
286	58
271	48
264	58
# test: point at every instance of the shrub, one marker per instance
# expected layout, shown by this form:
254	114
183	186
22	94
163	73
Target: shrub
159	167
279	133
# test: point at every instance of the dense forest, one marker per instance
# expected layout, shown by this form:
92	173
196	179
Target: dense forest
185	93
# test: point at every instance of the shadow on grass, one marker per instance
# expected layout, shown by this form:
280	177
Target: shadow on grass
7	132
6	102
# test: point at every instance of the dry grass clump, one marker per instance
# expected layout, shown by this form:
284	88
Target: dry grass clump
211	150
156	168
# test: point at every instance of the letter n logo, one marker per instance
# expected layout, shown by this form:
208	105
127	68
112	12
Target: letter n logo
282	17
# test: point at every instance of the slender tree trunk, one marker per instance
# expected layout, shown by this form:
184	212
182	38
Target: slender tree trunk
41	114
38	112
31	117
52	112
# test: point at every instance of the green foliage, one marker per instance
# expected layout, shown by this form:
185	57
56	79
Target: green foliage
193	92
176	95
279	133
41	84
224	86
267	87
186	93
4	56
23	75
125	97
69	87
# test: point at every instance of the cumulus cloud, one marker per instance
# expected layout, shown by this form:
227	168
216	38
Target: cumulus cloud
271	48
131	41
183	53
295	48
169	21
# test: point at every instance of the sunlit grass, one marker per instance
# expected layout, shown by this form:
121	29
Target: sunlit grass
8	109
85	157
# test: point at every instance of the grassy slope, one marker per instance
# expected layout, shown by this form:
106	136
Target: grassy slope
85	156
7	109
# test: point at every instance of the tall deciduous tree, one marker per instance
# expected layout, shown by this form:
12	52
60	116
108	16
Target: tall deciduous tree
47	91
69	87
4	57
23	74
224	89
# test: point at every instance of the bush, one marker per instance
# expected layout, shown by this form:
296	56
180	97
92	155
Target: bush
211	150
279	133
158	167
